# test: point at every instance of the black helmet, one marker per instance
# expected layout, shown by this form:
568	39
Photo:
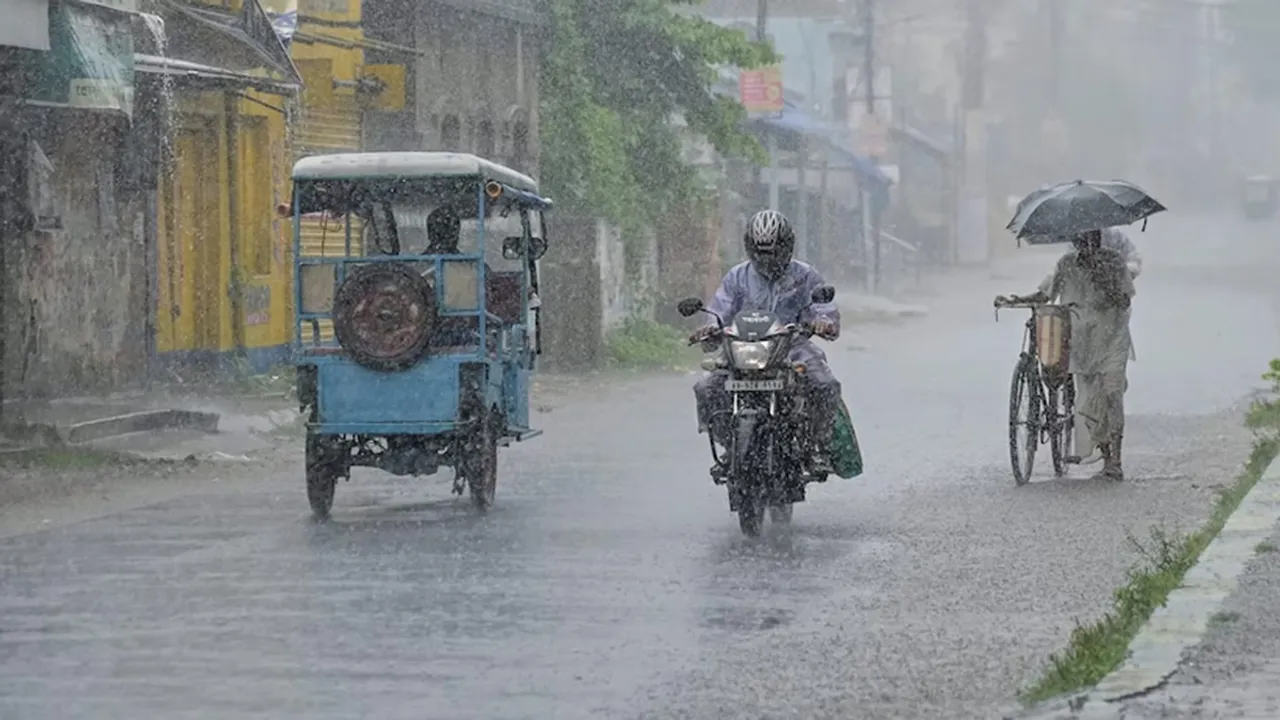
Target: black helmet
769	242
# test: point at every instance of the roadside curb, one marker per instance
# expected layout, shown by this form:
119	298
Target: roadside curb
36	435
1157	651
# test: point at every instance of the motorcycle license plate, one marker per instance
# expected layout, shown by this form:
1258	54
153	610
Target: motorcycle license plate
752	385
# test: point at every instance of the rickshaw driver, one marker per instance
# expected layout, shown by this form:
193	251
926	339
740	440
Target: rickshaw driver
444	232
774	281
444	236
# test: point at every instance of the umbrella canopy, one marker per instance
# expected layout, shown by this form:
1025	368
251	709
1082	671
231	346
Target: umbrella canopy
1055	213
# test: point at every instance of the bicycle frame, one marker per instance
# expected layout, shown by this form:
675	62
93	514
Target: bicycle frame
1051	405
1049	379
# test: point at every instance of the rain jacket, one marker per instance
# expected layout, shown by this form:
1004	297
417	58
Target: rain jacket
1100	339
743	288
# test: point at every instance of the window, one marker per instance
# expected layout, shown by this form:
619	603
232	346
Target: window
451	134
485	139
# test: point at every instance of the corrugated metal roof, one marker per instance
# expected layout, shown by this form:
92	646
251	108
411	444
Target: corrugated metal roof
531	12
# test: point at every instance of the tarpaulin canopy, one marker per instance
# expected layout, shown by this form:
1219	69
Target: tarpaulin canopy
90	61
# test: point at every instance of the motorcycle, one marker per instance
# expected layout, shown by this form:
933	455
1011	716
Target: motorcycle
767	461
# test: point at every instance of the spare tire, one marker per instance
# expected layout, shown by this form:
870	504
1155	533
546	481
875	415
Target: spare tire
383	316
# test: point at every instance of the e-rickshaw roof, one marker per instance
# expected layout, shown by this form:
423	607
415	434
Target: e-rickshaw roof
356	166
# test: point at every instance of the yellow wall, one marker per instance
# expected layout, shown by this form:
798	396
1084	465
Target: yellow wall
196	224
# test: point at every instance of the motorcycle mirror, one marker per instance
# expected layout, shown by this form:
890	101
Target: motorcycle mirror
823	294
689	306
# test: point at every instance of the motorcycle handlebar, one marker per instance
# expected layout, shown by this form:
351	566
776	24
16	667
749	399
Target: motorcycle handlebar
804	330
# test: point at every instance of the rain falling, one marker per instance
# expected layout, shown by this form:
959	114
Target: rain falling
724	359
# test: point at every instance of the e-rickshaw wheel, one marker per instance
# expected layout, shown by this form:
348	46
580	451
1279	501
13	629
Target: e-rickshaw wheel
322	476
479	464
384	315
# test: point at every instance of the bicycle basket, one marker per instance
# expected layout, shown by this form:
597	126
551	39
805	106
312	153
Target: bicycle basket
1053	336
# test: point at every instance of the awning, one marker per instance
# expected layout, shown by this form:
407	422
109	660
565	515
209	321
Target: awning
350	43
244	45
793	119
921	139
26	24
207	76
90	60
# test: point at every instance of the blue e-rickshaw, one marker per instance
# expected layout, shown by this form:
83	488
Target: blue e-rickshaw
412	352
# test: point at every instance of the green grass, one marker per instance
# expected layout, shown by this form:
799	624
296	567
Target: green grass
1264	547
1098	648
640	344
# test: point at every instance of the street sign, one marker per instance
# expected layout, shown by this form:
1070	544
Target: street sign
761	90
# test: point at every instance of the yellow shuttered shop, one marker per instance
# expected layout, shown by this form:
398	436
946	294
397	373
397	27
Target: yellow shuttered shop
223	270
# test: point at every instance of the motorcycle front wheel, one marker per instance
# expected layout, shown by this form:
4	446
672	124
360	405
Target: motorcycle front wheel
750	518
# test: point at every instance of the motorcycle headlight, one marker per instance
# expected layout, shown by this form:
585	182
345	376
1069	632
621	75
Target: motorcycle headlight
751	355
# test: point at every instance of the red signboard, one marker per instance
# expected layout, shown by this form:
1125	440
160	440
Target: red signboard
761	90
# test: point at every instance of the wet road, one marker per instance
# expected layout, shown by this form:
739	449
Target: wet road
612	582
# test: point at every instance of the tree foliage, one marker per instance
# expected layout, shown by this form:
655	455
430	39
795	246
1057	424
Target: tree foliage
615	74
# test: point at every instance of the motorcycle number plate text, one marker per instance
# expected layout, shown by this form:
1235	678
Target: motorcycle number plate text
752	385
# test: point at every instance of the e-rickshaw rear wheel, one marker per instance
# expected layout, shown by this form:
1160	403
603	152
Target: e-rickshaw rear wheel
479	463
323	471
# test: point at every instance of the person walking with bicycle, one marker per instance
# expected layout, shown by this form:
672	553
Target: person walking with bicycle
1097	282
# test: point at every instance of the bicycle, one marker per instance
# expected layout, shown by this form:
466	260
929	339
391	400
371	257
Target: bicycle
1042	378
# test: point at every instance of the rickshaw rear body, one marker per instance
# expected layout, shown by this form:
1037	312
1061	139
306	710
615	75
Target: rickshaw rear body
408	412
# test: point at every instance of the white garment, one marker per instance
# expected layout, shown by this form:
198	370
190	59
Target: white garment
1100	339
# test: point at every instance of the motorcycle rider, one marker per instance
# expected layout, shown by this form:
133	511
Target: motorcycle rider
771	280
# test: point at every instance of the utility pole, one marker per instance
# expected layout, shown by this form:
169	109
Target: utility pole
1054	11
870	213
771	140
973	238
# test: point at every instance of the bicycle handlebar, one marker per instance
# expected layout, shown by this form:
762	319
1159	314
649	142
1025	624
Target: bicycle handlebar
1031	304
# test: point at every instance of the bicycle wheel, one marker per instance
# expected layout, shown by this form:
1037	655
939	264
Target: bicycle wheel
1025	407
1062	414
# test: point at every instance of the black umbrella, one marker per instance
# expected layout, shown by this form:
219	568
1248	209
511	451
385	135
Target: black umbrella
1055	213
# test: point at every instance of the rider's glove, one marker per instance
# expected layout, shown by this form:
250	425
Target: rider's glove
702	334
824	328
